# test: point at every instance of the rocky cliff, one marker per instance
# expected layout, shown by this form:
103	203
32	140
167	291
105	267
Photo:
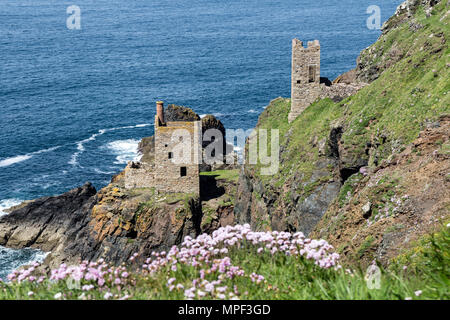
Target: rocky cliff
116	222
327	150
377	214
111	224
368	173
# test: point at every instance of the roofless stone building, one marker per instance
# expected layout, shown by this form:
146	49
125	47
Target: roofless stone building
177	157
305	76
306	84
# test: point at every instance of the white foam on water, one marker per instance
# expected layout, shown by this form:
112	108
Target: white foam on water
8	203
252	111
104	172
16	159
142	125
202	116
46	150
80	144
9	161
125	150
12	259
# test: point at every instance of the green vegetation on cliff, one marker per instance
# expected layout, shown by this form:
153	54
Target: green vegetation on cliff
388	113
245	271
227	174
367	173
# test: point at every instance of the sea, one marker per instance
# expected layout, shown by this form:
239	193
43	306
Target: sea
79	79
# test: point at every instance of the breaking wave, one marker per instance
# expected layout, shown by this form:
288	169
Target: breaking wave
8	203
11	259
16	159
125	150
80	144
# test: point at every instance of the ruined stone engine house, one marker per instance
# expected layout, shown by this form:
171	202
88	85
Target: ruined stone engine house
175	169
306	84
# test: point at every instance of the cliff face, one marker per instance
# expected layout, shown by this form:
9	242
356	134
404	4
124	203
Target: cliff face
297	196
44	223
330	146
377	215
123	222
111	224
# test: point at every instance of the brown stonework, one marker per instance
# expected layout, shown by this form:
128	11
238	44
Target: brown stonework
305	79
160	112
339	91
139	175
172	170
184	175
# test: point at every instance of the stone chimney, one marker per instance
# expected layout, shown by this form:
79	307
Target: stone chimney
160	111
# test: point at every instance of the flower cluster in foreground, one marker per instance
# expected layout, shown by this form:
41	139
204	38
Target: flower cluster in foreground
212	273
208	254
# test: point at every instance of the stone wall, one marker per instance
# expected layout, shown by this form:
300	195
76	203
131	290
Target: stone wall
139	175
339	91
305	77
306	86
175	170
175	165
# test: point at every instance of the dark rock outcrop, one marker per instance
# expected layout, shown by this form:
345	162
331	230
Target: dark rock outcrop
146	147
298	211
218	196
140	221
347	77
44	222
211	122
111	224
180	113
49	223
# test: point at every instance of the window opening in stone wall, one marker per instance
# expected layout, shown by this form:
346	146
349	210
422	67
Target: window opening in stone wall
312	74
183	172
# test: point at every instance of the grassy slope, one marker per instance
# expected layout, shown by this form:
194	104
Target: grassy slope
397	105
389	112
427	277
228	175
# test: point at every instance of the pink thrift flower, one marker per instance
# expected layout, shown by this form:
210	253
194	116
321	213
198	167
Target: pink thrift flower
107	295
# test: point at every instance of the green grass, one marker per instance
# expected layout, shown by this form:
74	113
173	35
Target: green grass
387	115
347	190
209	214
286	277
365	246
228	175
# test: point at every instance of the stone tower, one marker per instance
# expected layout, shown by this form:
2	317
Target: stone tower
171	174
305	81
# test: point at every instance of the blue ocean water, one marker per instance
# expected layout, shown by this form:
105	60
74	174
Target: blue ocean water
74	103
